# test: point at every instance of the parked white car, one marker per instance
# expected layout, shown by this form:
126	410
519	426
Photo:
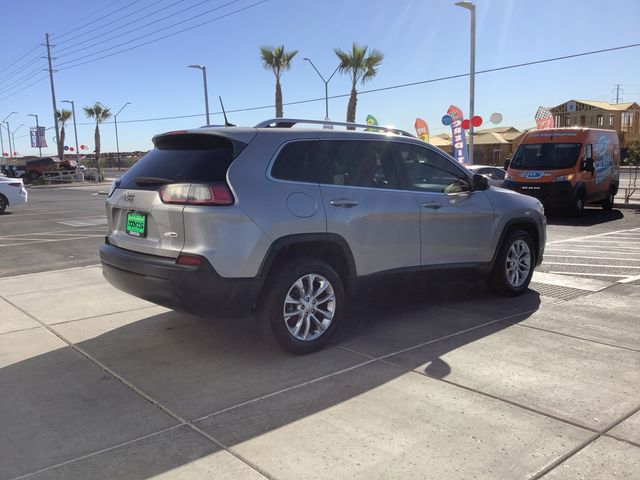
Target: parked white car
12	193
495	175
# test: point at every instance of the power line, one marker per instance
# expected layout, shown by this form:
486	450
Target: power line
145	35
85	25
22	79
133	30
25	54
114	21
160	38
88	16
403	85
24	88
12	73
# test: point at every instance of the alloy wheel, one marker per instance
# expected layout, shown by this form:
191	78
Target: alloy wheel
309	307
518	263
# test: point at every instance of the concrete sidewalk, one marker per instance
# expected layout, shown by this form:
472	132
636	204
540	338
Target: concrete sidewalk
456	384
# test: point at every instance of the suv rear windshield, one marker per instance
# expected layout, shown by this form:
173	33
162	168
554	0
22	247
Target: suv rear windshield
185	158
546	156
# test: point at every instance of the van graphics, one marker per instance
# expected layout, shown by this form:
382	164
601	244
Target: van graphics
534	174
603	161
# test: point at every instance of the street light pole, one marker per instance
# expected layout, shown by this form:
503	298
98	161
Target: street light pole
9	138
75	129
206	92
37	132
472	71
13	137
8	133
326	87
115	122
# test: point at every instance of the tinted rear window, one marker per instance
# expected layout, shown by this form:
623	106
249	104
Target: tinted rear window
299	161
182	159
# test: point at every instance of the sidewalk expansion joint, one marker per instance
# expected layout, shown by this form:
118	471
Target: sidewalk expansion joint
181	421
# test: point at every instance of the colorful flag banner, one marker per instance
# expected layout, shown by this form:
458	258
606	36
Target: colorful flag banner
371	120
37	135
544	119
458	138
422	129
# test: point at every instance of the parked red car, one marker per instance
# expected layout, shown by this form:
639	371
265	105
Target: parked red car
35	168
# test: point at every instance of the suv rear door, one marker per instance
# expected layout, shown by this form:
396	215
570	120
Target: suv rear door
365	205
179	161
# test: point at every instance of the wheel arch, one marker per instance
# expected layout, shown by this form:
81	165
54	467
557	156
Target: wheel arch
529	226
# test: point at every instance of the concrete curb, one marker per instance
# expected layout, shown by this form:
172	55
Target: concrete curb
70	185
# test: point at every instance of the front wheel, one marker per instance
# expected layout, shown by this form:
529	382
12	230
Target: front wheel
513	268
578	204
3	203
303	306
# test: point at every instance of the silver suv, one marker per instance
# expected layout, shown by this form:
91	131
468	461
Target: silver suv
287	222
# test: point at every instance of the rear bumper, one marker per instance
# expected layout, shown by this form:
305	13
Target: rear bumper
550	194
197	290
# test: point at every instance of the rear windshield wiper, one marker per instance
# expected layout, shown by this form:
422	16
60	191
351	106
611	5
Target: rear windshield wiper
152	180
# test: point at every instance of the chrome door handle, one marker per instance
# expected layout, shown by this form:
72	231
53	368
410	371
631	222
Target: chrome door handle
343	202
434	205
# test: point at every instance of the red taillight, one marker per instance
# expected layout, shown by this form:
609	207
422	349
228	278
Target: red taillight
196	194
190	260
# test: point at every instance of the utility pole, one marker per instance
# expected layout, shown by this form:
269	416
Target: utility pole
618	91
53	95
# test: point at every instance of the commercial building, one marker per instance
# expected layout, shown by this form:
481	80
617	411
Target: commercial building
491	146
621	117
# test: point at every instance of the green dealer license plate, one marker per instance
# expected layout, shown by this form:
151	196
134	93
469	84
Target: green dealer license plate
136	224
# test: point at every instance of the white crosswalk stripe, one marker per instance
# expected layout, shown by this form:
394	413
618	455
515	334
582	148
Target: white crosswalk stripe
612	256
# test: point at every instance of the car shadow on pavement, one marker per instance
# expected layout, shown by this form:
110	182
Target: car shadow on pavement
589	217
67	403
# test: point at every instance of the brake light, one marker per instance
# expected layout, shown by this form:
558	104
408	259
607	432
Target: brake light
190	260
196	194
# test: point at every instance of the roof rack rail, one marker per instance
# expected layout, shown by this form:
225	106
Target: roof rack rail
290	122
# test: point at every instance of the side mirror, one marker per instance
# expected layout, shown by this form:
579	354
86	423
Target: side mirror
588	166
480	182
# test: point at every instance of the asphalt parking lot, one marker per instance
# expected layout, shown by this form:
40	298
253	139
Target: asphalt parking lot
444	382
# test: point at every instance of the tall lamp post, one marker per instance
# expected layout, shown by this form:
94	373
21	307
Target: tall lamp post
326	87
37	132
75	129
8	139
13	138
206	92
472	70
115	122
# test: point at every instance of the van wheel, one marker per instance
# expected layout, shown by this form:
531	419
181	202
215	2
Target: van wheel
513	268
607	205
303	306
578	204
33	175
3	203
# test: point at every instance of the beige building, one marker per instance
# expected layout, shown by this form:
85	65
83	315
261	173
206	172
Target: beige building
491	146
621	117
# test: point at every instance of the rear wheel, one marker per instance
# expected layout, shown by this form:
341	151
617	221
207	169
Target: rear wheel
3	203
32	175
607	204
303	306
513	268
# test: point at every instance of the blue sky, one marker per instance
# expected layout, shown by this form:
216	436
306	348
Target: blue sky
421	40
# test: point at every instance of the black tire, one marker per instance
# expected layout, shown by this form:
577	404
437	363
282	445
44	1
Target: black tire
577	208
499	279
32	175
4	203
271	308
607	204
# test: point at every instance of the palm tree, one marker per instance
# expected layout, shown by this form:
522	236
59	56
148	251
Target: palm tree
278	61
63	115
99	113
361	65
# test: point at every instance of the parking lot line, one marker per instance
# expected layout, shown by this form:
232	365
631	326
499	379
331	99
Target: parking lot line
630	279
566	240
591	265
50	241
592	257
589	274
